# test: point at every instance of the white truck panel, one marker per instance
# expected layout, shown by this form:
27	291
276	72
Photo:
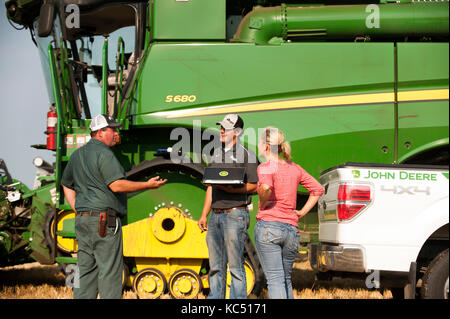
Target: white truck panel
389	258
407	205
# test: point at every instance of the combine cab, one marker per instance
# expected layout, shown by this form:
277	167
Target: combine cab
360	81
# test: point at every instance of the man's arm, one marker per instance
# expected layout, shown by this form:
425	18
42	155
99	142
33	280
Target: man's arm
248	188
126	186
202	222
70	195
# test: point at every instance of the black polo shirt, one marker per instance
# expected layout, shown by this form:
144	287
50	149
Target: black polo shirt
238	156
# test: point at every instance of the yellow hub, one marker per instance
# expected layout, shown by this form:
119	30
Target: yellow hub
149	284
168	224
184	284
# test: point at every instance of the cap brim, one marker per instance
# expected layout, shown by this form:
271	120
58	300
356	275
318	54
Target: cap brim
115	125
225	125
98	127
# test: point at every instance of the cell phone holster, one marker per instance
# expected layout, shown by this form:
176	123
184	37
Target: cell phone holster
102	224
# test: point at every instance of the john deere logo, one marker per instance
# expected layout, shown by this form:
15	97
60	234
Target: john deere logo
355	173
223	173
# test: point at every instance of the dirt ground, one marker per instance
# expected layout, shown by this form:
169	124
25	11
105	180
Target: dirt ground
35	281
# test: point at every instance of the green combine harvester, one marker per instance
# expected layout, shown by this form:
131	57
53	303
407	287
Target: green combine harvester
359	81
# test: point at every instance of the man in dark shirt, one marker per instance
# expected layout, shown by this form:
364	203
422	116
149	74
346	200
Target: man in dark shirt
229	220
94	183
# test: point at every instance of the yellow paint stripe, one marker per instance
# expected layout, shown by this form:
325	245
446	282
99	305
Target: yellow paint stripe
288	104
422	95
354	99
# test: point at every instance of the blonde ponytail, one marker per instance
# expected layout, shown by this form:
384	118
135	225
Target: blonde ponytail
286	150
275	138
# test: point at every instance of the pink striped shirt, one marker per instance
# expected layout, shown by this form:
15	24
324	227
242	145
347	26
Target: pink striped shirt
284	177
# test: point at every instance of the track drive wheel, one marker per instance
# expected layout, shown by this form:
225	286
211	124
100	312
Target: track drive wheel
185	284
149	283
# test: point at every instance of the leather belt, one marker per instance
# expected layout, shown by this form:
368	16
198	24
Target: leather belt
88	214
221	211
95	213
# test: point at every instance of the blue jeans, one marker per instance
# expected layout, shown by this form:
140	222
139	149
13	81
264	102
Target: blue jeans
225	240
277	245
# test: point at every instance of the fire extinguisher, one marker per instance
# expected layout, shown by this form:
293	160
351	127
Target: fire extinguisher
52	120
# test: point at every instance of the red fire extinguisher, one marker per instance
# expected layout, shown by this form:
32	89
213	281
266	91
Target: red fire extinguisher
52	120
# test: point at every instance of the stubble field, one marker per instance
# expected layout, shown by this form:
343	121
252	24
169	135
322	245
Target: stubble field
35	281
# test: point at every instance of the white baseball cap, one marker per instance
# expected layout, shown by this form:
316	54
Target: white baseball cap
231	121
103	120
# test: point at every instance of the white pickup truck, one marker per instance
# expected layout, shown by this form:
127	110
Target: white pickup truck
388	224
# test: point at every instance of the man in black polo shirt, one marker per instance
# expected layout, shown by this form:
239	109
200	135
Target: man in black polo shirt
229	220
94	184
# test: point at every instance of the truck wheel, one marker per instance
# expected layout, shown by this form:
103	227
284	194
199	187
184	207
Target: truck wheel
435	280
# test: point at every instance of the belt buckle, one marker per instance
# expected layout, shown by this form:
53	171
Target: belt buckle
83	214
230	209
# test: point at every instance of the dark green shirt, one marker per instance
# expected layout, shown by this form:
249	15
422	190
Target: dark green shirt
89	172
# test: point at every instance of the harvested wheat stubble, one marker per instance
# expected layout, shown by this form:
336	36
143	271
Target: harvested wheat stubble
35	281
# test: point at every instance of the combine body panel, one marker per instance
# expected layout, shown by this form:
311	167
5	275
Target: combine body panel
361	82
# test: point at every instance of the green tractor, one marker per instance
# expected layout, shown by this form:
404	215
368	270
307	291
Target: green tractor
360	81
26	216
14	219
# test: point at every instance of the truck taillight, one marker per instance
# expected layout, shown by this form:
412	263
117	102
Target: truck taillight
352	200
347	211
354	192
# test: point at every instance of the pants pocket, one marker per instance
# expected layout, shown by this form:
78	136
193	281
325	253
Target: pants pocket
239	216
294	241
271	235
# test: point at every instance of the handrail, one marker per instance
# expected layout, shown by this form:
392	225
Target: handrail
105	77
60	127
120	57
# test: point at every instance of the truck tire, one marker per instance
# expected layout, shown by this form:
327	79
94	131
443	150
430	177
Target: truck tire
435	280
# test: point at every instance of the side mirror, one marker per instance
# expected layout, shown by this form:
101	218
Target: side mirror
45	23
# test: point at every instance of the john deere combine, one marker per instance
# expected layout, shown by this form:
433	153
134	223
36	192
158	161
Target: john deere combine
362	81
